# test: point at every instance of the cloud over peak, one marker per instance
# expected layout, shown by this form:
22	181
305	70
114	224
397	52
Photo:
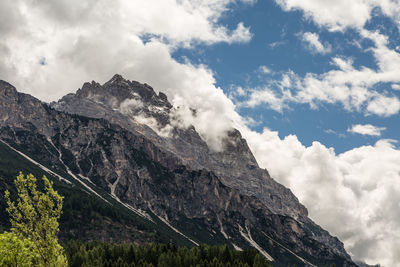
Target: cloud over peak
86	40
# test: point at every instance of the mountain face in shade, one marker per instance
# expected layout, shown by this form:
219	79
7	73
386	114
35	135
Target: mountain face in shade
121	138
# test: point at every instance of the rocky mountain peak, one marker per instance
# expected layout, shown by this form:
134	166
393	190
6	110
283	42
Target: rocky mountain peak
89	89
119	91
140	158
137	108
7	89
117	78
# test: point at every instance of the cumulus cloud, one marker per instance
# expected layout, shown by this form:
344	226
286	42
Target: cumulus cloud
83	40
366	129
266	96
314	44
358	187
335	15
353	195
341	14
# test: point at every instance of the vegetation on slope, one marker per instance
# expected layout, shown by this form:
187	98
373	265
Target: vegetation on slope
108	255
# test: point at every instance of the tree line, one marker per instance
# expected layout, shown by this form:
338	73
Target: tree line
159	255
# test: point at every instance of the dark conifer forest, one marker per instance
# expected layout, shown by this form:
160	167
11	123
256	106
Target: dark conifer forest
110	255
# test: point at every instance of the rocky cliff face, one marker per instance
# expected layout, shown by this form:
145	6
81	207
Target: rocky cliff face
121	138
129	104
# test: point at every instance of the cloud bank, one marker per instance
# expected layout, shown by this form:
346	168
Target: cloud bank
354	195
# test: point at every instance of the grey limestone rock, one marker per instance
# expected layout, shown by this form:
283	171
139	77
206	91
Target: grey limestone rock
176	175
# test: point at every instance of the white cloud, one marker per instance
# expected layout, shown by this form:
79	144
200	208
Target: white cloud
334	14
240	91
359	187
276	44
353	195
353	87
341	14
165	131
264	69
366	129
314	44
89	39
266	96
383	105
249	2
330	131
129	106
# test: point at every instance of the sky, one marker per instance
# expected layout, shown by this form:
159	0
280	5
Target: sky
312	85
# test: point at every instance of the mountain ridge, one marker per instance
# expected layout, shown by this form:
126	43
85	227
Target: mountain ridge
227	196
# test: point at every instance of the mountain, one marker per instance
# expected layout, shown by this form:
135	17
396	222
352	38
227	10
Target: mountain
119	145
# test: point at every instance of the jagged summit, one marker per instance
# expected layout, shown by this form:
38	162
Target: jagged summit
137	108
117	90
7	89
117	78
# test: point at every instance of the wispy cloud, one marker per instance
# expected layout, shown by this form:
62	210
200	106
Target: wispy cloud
353	87
396	86
264	69
366	129
330	131
313	43
276	44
